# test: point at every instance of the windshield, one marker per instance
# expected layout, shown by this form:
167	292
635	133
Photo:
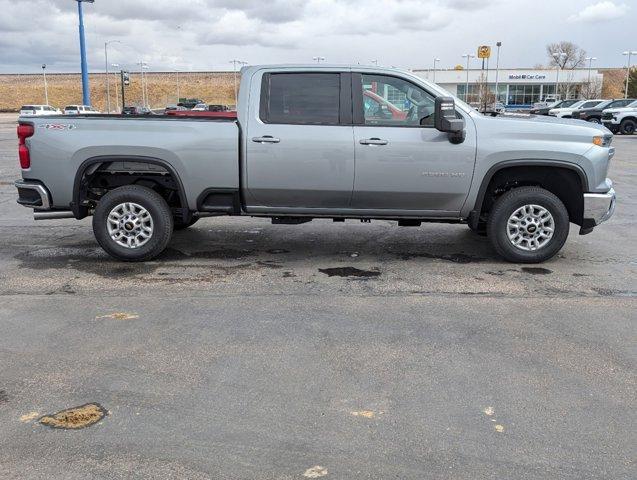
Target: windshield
28	107
577	104
72	107
568	103
590	104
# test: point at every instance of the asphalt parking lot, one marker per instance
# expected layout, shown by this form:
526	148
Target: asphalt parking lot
259	351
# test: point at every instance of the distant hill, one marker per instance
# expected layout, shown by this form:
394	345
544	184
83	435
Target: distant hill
66	89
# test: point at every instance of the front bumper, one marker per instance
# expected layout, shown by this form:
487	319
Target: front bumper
599	207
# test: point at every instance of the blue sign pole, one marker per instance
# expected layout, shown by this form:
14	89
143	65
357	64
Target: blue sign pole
86	95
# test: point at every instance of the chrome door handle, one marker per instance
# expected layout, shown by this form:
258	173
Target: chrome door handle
373	141
266	139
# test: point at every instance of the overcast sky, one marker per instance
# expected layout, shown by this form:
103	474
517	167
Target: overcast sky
206	34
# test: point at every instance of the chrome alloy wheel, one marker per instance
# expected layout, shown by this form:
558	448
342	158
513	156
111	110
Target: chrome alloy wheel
530	228
130	225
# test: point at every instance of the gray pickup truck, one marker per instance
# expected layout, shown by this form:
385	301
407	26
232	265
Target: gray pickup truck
322	142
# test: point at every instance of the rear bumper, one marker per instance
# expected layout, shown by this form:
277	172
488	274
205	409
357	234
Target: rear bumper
599	207
33	195
36	196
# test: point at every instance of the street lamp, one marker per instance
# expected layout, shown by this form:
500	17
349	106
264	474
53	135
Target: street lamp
590	62
557	57
629	53
108	88
436	60
86	94
46	88
143	66
234	68
177	72
318	59
468	56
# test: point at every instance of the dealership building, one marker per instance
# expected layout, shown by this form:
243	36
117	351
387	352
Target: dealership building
517	88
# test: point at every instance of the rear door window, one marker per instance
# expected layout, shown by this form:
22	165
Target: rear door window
301	98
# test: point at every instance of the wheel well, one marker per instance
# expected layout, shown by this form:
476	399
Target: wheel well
634	119
96	178
563	182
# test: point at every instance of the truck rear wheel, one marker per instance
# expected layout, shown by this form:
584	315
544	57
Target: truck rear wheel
528	225
133	223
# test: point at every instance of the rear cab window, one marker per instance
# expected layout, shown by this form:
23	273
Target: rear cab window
301	98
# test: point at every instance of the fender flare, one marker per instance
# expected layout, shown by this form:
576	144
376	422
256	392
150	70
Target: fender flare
474	216
80	212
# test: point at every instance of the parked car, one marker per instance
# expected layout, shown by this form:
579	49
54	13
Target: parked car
174	108
200	107
544	109
594	114
304	147
189	103
132	110
621	120
568	111
80	110
38	110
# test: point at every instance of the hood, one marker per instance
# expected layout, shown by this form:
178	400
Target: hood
533	125
620	110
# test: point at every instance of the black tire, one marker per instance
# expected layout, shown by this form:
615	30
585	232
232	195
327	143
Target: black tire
594	120
179	225
503	209
155	205
628	126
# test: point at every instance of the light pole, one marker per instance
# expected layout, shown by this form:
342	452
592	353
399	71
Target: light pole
116	65
497	71
46	87
108	88
629	53
177	72
318	59
234	68
86	94
590	63
436	60
557	57
143	66
468	56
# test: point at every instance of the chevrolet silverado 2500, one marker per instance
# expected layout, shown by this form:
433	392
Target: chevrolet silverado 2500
308	143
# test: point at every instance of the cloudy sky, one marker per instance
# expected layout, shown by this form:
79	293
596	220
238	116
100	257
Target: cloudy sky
206	34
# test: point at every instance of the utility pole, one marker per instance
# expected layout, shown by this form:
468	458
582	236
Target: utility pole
497	71
629	53
86	94
436	60
468	56
557	57
125	80
46	87
236	87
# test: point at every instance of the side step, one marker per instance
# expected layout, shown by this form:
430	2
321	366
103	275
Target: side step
290	220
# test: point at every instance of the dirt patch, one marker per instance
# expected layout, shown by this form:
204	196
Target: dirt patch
349	272
4	397
537	270
75	418
119	316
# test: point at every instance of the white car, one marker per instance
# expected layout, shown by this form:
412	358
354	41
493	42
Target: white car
200	107
621	120
567	112
38	110
80	110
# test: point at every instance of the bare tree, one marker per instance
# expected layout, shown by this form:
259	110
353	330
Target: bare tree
573	55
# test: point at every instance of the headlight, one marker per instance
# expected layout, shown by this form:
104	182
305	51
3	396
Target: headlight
603	141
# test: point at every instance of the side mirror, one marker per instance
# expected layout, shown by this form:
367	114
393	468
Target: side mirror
447	121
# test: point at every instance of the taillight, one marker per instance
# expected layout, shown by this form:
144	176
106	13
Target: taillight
24	131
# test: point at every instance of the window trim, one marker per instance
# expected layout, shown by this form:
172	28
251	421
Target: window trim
358	101
345	112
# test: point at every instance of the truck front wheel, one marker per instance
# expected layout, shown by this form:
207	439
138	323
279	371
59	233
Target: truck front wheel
628	126
528	225
133	223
